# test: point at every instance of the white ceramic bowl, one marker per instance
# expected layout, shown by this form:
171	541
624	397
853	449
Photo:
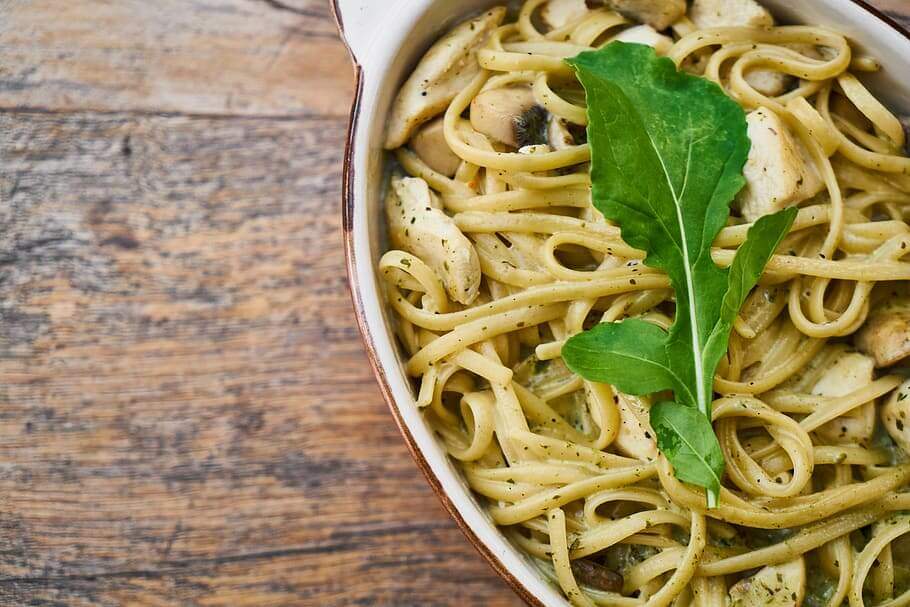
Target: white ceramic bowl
386	38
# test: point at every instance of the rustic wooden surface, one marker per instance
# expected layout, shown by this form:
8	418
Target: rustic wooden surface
186	413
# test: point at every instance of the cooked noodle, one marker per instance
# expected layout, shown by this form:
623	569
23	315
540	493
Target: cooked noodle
568	467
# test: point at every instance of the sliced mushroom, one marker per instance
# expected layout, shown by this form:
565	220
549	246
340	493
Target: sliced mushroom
896	416
779	172
844	373
418	225
596	576
773	586
444	71
430	145
510	115
645	34
729	13
537	148
558	13
886	334
558	134
659	14
635	437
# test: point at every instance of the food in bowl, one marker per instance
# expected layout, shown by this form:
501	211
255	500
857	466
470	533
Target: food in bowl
647	267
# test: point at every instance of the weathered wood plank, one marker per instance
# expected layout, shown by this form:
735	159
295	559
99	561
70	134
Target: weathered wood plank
186	411
245	57
366	576
898	8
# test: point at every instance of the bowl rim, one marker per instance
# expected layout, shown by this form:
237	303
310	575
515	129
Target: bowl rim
366	334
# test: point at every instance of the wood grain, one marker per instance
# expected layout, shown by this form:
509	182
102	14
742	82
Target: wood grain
186	414
186	408
897	8
249	57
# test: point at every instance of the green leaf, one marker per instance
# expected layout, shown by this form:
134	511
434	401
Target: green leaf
750	260
667	155
687	439
631	355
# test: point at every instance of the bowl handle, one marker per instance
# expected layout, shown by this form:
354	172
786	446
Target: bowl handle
359	22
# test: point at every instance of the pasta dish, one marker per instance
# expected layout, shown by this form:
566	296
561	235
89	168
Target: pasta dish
647	269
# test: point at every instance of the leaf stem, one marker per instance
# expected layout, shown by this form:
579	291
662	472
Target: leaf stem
713	498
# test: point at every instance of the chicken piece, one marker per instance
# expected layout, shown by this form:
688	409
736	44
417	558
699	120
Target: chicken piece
772	83
896	416
729	13
446	69
418	225
781	585
430	145
886	334
809	50
779	172
769	83
635	437
741	13
659	14
510	115
558	13
847	372
645	34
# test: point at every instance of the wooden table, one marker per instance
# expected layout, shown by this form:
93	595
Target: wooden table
186	414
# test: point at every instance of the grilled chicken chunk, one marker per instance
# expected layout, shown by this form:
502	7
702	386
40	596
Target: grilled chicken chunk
729	13
846	372
645	34
558	13
886	334
779	172
741	13
430	145
659	14
446	69
419	226
773	586
635	437
896	416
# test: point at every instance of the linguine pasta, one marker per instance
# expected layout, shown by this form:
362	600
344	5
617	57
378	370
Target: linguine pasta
499	257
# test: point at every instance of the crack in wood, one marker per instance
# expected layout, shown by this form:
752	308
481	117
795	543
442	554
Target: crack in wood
308	116
339	542
901	18
281	6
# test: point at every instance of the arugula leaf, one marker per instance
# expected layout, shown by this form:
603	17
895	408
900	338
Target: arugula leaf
686	438
667	155
750	260
637	363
